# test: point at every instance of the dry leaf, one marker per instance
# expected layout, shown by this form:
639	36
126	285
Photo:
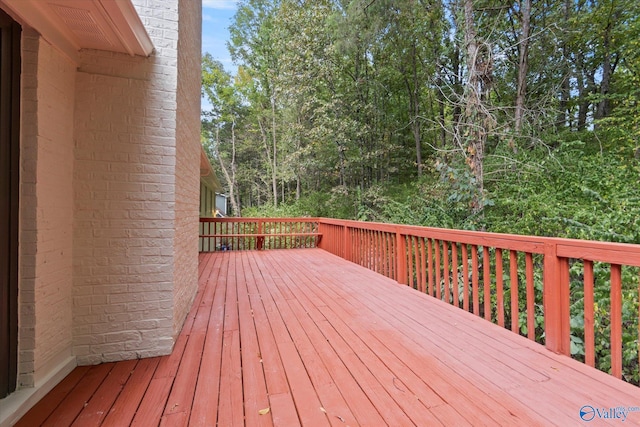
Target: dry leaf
323	410
264	411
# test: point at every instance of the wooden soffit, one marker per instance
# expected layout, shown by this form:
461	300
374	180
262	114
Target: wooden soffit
72	25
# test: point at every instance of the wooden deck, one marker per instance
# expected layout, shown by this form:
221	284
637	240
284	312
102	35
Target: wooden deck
302	337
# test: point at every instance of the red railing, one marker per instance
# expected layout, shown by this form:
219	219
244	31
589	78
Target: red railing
257	233
576	297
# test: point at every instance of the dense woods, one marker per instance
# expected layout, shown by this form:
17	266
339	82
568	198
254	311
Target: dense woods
518	116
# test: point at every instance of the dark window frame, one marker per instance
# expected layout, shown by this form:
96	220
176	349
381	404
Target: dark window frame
10	38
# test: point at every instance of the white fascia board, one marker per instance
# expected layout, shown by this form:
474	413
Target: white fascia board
128	26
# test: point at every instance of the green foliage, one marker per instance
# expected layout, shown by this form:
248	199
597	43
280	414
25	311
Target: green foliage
355	109
567	193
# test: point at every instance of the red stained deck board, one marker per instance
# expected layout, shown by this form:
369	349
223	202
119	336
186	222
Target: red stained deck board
125	407
475	409
94	411
254	385
316	339
152	406
181	396
168	366
205	401
37	415
230	406
581	394
283	410
417	386
314	351
298	285
305	397
341	396
76	400
275	377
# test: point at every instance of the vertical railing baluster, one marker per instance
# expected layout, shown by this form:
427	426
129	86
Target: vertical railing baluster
454	264
616	320
410	254
423	266
513	287
445	270
499	287
465	276
430	262
474	280
486	281
589	332
531	311
401	257
438	274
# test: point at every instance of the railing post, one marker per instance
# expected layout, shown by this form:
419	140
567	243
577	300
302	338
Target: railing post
346	251
401	257
556	301
321	229
260	239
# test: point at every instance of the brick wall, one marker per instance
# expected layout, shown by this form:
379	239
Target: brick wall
136	195
187	157
46	210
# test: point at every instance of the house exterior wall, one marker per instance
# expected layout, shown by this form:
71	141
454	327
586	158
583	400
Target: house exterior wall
187	156
46	237
109	200
207	201
136	192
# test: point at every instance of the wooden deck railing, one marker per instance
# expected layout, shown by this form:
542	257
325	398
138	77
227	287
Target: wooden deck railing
578	298
257	233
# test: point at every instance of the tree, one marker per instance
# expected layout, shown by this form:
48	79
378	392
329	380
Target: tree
220	122
523	63
253	44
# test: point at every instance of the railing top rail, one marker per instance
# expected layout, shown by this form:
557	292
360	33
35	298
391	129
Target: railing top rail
505	241
260	219
610	252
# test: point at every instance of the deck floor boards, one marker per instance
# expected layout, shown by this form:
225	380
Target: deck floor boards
301	337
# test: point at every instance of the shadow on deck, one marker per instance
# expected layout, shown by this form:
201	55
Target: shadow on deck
303	337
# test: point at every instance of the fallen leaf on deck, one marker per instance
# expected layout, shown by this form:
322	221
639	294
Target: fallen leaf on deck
323	410
264	411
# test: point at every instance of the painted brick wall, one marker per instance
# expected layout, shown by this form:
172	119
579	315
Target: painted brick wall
46	236
134	173
187	157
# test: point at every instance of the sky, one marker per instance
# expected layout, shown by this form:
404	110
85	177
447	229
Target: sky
216	18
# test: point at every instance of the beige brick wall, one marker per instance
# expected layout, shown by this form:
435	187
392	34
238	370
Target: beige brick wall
110	152
109	196
46	213
136	194
187	156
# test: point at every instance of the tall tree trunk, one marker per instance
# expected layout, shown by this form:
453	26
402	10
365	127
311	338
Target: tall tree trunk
267	149
414	100
274	180
523	63
562	120
229	177
604	106
341	151
478	120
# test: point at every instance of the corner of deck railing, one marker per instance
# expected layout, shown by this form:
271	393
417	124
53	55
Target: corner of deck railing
556	300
